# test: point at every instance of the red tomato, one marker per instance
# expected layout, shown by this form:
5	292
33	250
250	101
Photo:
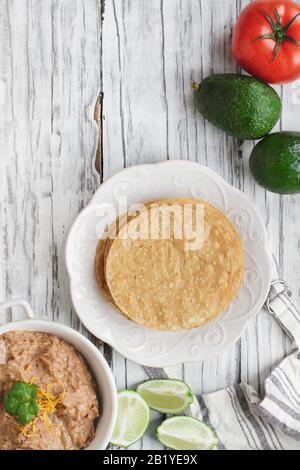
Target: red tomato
266	40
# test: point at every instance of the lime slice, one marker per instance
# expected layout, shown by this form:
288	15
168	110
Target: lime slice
166	396
132	419
186	433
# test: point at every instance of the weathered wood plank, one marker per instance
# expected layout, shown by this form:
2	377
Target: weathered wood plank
50	79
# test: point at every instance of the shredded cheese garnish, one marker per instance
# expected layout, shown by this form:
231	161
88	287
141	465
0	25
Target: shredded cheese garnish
29	429
47	403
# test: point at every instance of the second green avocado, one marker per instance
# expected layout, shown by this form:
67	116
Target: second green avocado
242	106
275	162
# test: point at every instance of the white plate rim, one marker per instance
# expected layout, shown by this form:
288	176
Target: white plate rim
163	361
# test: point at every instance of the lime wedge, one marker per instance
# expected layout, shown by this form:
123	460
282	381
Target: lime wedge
166	396
186	433
132	419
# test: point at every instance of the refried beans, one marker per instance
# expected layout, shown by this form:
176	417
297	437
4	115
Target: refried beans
44	359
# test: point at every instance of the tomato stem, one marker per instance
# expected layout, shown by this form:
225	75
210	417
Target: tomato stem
287	27
279	32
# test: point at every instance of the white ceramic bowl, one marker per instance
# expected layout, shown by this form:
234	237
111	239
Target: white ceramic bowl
96	362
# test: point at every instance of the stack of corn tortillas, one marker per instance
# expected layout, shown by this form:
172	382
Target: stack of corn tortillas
172	264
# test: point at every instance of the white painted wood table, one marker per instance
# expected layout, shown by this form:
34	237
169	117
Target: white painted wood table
137	58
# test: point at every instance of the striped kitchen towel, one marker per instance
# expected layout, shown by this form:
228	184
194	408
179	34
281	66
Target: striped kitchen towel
241	419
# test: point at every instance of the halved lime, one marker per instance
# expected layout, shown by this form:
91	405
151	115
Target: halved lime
132	419
186	433
166	395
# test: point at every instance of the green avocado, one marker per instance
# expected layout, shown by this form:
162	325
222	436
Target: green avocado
242	106
275	162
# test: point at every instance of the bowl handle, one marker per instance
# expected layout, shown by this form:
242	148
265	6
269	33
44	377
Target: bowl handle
17	303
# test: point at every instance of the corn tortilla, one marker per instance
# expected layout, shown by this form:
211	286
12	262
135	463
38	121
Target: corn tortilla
159	284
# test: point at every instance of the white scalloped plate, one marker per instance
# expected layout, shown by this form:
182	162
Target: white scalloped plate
137	343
